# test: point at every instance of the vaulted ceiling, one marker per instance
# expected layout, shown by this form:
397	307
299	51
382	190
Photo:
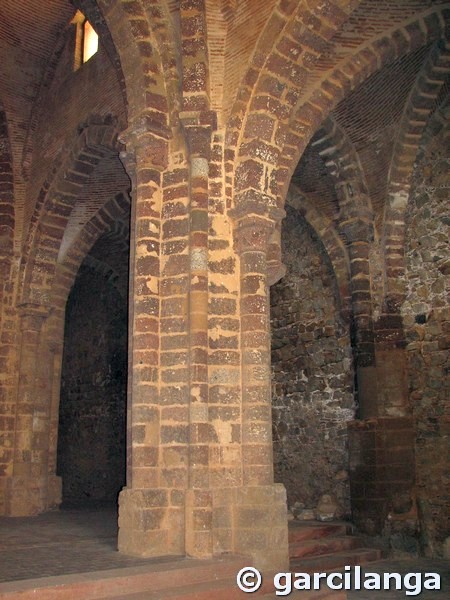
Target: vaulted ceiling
369	116
29	32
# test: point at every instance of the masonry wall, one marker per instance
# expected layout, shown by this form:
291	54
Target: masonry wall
91	443
427	323
214	103
72	99
312	372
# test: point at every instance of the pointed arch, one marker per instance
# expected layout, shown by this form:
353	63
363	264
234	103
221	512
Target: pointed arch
144	36
342	161
268	133
433	78
55	203
111	218
414	33
326	232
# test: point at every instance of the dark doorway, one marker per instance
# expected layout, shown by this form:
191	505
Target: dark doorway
92	418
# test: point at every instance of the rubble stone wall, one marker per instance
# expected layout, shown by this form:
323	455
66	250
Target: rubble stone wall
427	323
312	372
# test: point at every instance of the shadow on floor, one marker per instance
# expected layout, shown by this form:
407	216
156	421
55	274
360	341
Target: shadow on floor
61	542
79	541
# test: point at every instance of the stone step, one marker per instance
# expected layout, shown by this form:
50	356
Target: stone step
336	560
226	590
320	546
313	530
222	589
233	593
156	576
324	594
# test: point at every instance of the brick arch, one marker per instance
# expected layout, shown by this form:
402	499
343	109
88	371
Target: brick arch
430	81
55	203
7	215
356	224
331	240
111	218
439	121
145	39
195	63
342	161
276	130
272	85
108	218
332	89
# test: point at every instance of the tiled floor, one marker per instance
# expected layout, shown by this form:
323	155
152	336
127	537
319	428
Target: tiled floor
77	541
61	542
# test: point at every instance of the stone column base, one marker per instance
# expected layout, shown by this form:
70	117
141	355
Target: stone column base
198	523
252	521
24	496
243	520
151	522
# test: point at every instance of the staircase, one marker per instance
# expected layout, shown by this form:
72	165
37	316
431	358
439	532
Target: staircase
314	547
162	579
322	547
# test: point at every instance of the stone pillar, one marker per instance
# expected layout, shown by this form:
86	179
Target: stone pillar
390	336
6	382
46	413
358	233
26	489
253	233
381	441
392	368
258	508
54	496
151	517
198	495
